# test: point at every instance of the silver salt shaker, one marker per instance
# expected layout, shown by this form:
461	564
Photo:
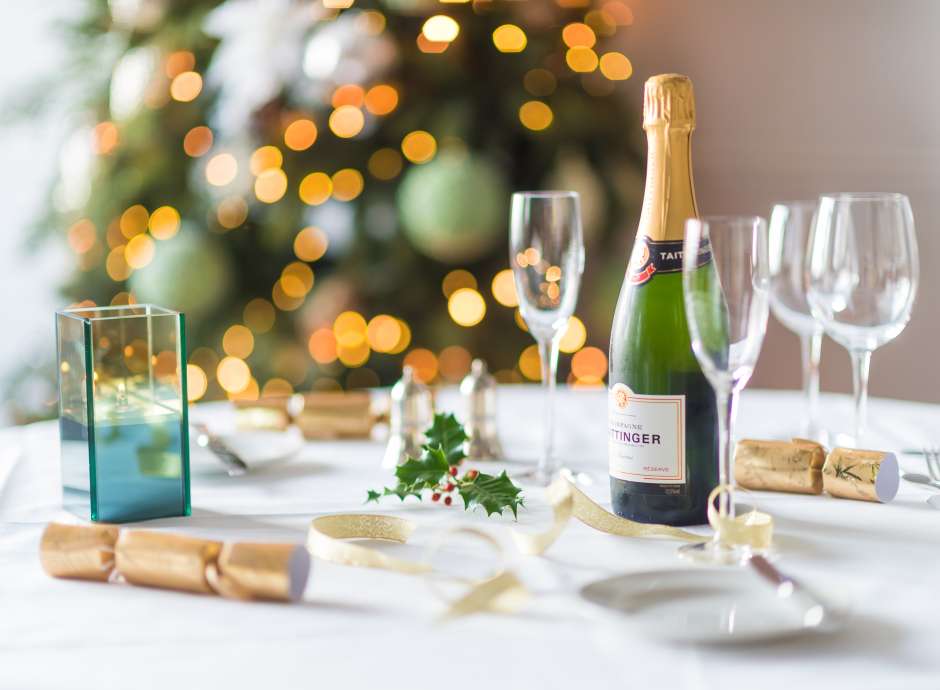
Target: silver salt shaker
411	411
478	390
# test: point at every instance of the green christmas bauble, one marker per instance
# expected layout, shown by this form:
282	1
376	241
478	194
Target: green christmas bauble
453	209
189	272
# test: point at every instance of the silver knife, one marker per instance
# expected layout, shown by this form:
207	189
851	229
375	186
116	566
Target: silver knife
234	465
814	610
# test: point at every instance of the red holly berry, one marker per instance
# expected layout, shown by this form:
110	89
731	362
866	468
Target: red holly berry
472	474
435	496
448	500
449	487
453	471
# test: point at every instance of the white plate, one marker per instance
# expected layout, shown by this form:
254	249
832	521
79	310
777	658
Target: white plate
257	448
711	605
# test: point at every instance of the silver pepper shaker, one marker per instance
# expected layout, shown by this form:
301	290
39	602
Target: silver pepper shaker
411	411
478	390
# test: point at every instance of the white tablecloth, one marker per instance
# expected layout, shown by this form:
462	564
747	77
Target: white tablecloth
361	628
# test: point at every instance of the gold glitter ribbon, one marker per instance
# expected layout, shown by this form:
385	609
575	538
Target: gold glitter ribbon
753	529
276	572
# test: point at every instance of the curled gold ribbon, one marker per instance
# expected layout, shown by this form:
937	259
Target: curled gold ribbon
753	529
327	537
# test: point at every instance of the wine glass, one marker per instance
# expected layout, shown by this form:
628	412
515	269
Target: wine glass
546	252
725	280
790	225
862	273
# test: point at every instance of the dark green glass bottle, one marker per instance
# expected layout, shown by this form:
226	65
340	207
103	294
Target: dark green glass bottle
662	417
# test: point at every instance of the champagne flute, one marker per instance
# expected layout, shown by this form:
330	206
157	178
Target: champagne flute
546	252
862	273
790	225
725	279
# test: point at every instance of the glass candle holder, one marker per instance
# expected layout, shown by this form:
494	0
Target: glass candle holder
123	418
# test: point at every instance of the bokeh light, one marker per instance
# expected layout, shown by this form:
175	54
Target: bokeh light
233	374
196	382
315	188
178	62
509	38
282	300
277	388
271	185
419	146
577	35
186	86
249	392
296	280
424	364
348	94
346	121
431	47
520	322
616	66
619	11
259	315
404	339
116	265
385	164
139	251
206	359
238	341
134	221
81	236
350	329
353	356
197	141
310	244
581	59
530	364
383	333
347	184
164	222
456	279
589	365
264	158
536	115
221	169
322	346
574	336
107	138
440	28
466	307
381	99
371	22
601	22
232	212
300	134
454	363
504	288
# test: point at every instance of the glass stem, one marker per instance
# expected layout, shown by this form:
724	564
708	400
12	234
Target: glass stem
727	406
811	350
861	360
548	353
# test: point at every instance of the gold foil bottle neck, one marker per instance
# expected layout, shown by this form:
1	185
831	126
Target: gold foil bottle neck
668	98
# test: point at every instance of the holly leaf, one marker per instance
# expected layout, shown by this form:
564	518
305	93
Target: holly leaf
427	470
373	496
447	434
492	493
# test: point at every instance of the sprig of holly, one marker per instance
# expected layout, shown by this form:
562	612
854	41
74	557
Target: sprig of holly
437	471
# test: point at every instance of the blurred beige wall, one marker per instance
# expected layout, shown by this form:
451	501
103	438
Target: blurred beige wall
804	96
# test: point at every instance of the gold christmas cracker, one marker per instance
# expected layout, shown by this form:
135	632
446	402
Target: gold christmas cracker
318	415
792	466
275	572
862	475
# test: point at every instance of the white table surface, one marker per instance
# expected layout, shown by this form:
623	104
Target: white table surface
361	628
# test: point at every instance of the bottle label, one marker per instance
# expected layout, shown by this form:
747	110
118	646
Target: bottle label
646	436
659	256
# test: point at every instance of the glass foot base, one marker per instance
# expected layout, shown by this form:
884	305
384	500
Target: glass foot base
715	553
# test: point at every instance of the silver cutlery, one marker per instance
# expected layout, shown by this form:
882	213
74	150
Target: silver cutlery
814	610
234	465
918	478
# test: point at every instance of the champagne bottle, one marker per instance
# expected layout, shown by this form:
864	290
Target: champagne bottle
662	417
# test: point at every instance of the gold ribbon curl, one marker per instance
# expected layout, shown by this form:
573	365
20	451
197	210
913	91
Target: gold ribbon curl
753	529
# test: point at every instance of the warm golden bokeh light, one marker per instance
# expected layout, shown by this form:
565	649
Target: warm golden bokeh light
106	138
520	322
300	134
259	315
81	236
616	66
574	336
385	164
553	274
419	146
589	364
238	341
381	99
509	38
454	363
196	382
322	346
134	221
277	388
504	288
282	300
178	62
371	22
354	356
530	364
539	82
431	47
315	188
297	279
206	359
271	185
197	141
264	158
139	251
347	184
424	364
383	333
350	329
310	244
186	86
619	11
456	279
581	59
466	307
348	94
232	212
249	392
578	35
536	115
233	374
440	29
221	169
404	339
116	265
164	222
346	121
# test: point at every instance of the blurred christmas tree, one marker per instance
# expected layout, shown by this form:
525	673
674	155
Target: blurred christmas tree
323	186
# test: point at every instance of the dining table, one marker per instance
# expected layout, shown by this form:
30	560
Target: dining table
371	628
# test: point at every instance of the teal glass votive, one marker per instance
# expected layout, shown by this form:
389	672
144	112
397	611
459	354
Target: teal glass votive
123	420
